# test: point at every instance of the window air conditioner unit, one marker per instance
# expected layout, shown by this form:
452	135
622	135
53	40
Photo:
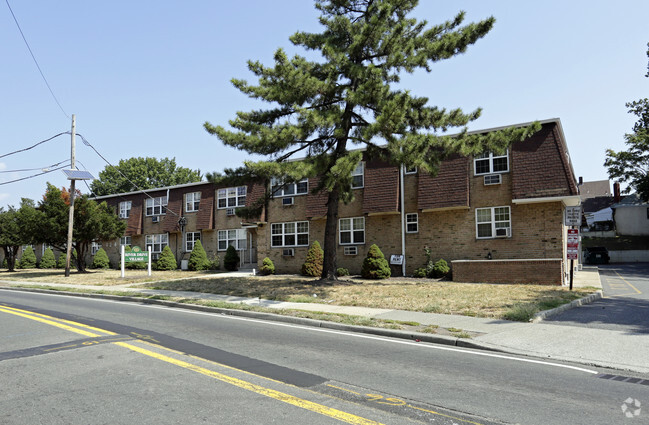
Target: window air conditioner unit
350	250
492	179
503	232
288	201
155	219
229	211
288	252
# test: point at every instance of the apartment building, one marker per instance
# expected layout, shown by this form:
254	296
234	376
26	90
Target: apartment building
494	218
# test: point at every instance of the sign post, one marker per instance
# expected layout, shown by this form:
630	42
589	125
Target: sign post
136	255
572	251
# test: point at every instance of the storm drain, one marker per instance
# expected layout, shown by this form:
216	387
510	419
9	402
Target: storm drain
620	378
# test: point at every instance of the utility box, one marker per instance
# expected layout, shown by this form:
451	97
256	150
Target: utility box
184	264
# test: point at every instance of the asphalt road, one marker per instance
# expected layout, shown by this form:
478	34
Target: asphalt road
625	306
67	360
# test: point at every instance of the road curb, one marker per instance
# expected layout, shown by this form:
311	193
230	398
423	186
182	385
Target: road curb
542	315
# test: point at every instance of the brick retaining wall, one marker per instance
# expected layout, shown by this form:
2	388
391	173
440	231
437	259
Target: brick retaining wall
530	271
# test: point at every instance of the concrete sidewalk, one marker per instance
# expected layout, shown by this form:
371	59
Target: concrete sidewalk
589	346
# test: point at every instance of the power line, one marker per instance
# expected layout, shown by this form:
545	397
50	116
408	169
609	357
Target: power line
33	146
37	168
35	61
35	175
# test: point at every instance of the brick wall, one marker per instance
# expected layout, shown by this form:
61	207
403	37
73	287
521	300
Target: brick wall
524	271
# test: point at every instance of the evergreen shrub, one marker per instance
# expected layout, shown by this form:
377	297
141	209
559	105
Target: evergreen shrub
28	259
314	260
215	264
100	260
439	269
231	259
167	260
60	262
375	266
341	271
267	267
198	258
47	260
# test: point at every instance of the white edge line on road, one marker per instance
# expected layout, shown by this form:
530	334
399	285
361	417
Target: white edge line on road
352	334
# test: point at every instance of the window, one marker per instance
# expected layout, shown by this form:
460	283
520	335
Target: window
234	237
156	242
190	240
289	234
411	170
489	163
492	222
358	176
279	188
192	201
352	230
94	247
231	197
412	223
124	209
125	241
156	206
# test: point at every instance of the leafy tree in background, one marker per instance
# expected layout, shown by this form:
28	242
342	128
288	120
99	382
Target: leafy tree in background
321	110
632	165
18	227
142	173
92	222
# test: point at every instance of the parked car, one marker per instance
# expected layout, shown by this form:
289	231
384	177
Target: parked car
596	255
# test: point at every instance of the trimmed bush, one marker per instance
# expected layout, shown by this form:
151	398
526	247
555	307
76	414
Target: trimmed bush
28	259
341	271
314	259
375	266
231	259
267	267
167	260
60	262
100	260
215	264
5	264
198	258
47	260
439	269
420	272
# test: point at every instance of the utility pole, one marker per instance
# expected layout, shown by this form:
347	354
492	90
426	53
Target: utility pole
72	190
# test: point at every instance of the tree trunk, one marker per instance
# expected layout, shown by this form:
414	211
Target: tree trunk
329	264
10	255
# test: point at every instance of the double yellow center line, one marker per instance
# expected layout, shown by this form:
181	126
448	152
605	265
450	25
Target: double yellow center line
94	332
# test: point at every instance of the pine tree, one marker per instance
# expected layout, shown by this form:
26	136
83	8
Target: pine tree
47	260
198	258
231	259
28	259
100	260
375	266
314	258
324	109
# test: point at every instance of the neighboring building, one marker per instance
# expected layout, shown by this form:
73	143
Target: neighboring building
598	188
497	218
631	216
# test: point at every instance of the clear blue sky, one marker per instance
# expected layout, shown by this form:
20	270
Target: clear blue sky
142	77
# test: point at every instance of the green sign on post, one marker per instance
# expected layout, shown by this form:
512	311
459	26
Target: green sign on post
136	255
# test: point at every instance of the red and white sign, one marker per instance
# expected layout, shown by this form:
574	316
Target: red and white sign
572	250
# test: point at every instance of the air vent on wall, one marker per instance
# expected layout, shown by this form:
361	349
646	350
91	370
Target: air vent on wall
503	232
490	179
350	250
288	252
155	219
287	201
229	211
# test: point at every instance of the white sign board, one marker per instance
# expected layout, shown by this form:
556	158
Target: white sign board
396	259
572	245
573	216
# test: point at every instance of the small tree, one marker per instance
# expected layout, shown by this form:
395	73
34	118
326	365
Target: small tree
267	267
314	259
231	259
28	259
167	260
198	258
375	266
47	260
101	261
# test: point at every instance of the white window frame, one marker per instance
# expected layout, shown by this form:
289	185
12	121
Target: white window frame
358	176
231	197
157	242
234	237
125	241
412	223
495	221
354	226
190	240
412	170
490	157
125	209
289	234
192	201
157	206
280	189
